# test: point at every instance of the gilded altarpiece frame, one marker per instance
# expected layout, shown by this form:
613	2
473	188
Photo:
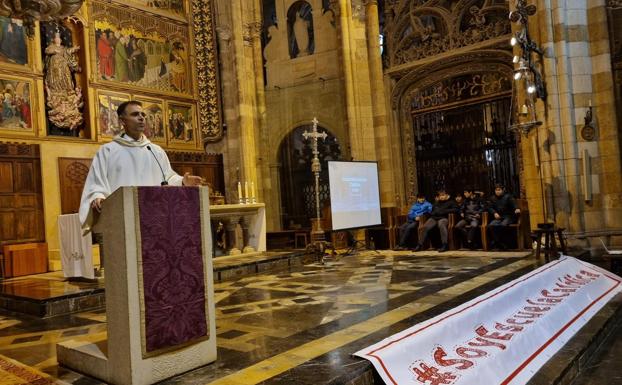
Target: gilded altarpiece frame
21	87
162	56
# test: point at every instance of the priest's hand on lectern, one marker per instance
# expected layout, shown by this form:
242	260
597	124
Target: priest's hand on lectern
96	204
192	180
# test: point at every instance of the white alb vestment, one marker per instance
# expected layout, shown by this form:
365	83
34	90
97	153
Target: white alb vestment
124	162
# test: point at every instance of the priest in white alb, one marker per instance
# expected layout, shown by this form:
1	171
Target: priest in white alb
129	160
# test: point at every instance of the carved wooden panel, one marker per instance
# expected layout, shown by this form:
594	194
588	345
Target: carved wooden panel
21	199
208	166
26	259
72	174
6	177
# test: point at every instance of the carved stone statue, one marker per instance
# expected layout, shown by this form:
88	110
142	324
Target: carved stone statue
301	32
63	99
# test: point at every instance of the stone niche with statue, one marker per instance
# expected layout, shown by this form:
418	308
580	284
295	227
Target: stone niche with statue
303	46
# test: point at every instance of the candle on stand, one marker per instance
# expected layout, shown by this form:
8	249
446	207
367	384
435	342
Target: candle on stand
253	197
590	104
524	110
246	192
240	192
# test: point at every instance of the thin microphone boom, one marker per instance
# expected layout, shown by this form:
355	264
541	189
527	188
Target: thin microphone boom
164	182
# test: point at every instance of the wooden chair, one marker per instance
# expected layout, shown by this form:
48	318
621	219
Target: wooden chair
399	221
518	231
459	242
450	231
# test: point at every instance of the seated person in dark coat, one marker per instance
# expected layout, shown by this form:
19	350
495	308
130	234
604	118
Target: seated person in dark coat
439	217
502	207
471	215
420	208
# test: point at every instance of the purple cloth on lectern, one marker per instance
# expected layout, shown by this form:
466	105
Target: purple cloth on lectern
172	266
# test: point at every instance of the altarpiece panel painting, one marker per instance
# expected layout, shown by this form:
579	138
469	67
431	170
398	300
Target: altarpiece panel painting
13	41
16	105
108	124
154	119
141	50
181	124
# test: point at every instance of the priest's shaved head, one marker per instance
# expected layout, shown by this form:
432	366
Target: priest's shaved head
123	106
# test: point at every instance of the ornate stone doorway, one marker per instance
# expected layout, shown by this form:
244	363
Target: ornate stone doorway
297	181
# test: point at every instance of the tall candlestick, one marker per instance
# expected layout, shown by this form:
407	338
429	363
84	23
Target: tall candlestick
246	192
240	198
590	103
253	197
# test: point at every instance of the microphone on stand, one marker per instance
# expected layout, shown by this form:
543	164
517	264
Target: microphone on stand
164	182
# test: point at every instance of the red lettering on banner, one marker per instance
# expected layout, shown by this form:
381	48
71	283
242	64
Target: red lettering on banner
537	309
576	280
563	285
551	300
587	280
430	374
483	332
544	301
589	274
466	356
514	322
548	294
477	353
439	358
484	342
502	327
564	290
522	314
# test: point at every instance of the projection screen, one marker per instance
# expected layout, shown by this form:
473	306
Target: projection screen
354	194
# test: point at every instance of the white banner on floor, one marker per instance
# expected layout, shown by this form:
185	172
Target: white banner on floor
501	337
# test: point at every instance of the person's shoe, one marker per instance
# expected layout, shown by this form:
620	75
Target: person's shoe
502	246
399	247
443	248
418	248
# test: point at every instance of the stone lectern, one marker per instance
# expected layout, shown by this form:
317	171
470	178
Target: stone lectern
159	288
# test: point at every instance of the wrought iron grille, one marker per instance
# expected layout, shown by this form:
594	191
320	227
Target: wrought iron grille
466	146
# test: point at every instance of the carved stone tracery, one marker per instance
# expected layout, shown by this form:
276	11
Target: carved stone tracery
419	29
459	88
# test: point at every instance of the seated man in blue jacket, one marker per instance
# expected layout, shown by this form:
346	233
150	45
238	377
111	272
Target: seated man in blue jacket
439	217
420	207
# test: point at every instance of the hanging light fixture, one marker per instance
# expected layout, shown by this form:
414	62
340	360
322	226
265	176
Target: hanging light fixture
528	85
38	10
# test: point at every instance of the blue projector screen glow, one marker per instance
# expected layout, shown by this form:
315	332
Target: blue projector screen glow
354	194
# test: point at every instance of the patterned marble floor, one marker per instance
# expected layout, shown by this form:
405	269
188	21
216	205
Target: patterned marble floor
295	327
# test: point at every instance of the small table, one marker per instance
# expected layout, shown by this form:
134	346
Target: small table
550	244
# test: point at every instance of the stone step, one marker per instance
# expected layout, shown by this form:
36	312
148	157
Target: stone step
50	294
